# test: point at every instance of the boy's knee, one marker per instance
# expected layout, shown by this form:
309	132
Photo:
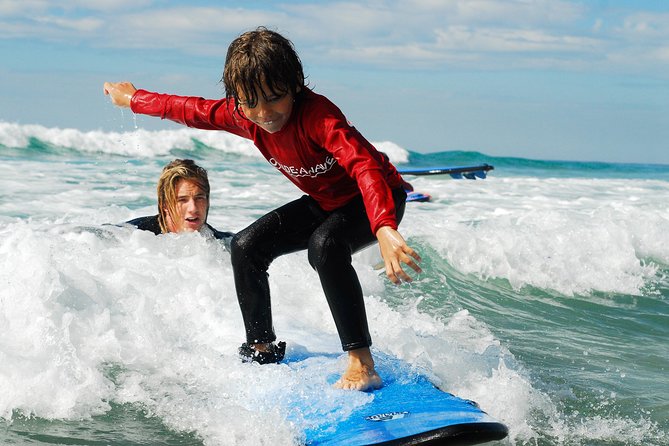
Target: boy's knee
249	253
324	248
317	250
240	243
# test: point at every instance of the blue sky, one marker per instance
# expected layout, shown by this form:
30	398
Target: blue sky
542	79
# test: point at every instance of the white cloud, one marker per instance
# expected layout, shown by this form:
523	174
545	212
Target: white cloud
508	12
85	24
26	8
662	53
646	26
107	5
195	30
13	8
382	32
511	40
342	19
597	26
528	12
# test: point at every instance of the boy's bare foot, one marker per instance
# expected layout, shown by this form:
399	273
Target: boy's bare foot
360	374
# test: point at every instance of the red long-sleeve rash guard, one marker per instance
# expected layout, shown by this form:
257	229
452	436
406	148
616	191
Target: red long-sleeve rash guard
317	149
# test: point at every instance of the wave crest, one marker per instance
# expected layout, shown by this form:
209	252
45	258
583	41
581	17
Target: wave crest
142	143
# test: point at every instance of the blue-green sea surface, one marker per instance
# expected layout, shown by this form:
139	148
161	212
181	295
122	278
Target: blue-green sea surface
544	298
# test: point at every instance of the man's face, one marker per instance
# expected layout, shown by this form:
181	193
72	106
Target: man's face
192	207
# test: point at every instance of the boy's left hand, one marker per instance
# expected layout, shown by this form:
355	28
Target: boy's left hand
395	251
119	92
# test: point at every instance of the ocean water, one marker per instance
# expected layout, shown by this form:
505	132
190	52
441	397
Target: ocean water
544	297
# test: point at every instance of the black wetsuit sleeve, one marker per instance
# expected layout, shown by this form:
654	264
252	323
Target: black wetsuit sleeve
224	236
146	224
151	224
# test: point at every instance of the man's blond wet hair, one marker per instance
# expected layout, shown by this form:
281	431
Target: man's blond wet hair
179	169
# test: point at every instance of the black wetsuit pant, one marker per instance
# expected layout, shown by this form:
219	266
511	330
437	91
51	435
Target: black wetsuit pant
331	238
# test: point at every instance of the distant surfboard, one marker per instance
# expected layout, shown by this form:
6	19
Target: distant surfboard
418	196
457	172
407	410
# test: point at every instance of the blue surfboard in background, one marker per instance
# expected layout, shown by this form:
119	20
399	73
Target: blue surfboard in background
407	410
456	172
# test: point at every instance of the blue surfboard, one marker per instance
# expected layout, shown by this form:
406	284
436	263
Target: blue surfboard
457	172
417	197
407	410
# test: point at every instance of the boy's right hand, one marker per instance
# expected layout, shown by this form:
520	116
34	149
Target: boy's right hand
120	92
395	251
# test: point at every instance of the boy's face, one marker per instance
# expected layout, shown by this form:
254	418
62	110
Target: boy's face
192	207
269	114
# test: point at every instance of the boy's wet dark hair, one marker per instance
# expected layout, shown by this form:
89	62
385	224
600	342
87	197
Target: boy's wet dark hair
257	57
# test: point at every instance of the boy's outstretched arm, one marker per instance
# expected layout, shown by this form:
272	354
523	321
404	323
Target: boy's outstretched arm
120	92
394	250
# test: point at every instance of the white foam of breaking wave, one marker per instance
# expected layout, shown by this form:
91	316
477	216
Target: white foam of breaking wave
574	236
147	143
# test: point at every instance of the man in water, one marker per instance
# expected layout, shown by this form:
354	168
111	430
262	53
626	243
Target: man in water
183	202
